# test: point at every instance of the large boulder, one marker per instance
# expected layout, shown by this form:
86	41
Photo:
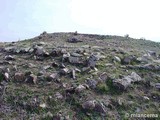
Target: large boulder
129	59
92	61
74	40
126	81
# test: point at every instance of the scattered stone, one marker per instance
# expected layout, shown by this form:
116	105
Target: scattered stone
117	59
103	76
39	51
86	69
31	79
94	105
74	40
75	60
91	83
80	88
6	76
19	76
89	105
9	57
76	55
64	71
43	105
146	98
123	83
73	73
58	96
92	61
157	85
55	64
129	59
52	77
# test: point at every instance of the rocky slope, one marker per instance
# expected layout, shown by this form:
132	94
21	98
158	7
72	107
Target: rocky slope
71	76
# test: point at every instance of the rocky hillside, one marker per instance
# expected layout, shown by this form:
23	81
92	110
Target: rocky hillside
71	76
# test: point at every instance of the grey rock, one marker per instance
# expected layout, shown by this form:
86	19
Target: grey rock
9	57
76	54
53	76
128	59
64	71
92	61
89	105
117	59
75	60
19	76
31	79
73	72
157	85
91	83
74	40
125	82
80	88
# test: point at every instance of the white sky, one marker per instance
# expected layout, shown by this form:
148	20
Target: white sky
25	19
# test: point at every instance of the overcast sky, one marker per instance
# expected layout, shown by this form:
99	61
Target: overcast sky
22	19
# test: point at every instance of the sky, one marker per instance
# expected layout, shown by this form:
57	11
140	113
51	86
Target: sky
23	19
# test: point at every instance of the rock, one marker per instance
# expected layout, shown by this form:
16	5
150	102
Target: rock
6	76
125	82
58	52
135	77
19	77
9	57
46	67
74	40
53	76
76	55
117	59
43	105
94	105
65	57
157	86
58	96
31	79
80	88
92	61
89	105
99	107
75	60
146	98
129	59
91	83
103	76
39	51
55	64
152	53
86	69
64	71
73	73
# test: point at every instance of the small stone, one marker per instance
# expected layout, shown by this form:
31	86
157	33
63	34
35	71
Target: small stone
31	79
58	96
117	59
43	105
80	88
157	85
73	74
64	71
9	57
90	105
6	76
53	76
146	98
19	76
